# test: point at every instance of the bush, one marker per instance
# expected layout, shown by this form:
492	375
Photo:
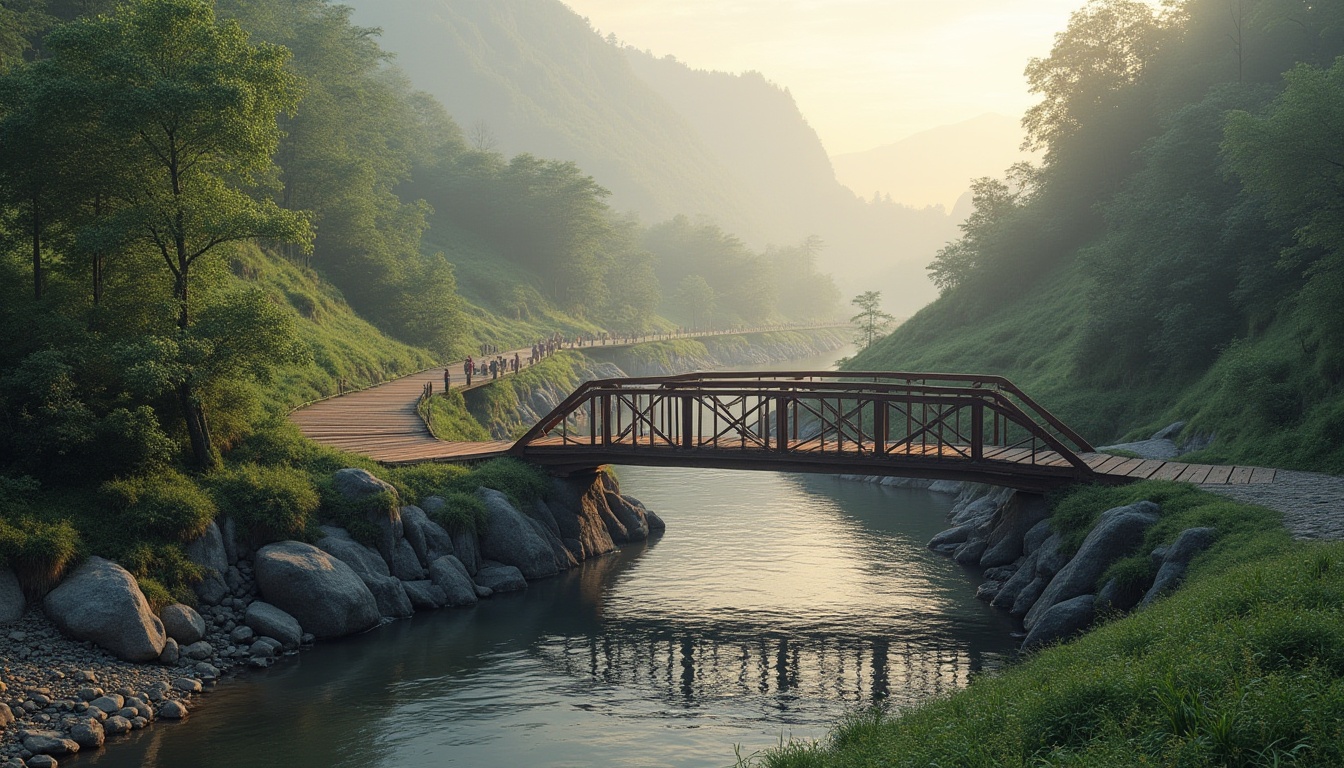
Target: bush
270	503
167	505
520	481
462	512
40	552
164	572
356	516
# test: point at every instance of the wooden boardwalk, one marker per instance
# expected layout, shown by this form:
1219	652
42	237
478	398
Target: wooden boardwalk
735	420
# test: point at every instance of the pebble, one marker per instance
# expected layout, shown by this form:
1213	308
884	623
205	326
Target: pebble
42	761
173	710
187	685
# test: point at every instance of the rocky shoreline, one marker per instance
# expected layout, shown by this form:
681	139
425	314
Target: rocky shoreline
93	661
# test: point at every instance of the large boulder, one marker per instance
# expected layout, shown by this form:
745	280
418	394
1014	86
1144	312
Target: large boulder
500	578
208	552
429	540
389	593
326	596
1010	525
338	543
267	620
510	538
575	508
1118	533
631	522
102	603
1062	621
947	541
449	574
1177	559
356	485
11	597
182	623
1024	575
425	595
438	542
405	564
467	548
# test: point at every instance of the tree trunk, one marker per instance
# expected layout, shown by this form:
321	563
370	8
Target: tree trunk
198	430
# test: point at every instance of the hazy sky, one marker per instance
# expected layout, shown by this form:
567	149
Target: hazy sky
864	72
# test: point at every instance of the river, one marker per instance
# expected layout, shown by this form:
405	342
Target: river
773	605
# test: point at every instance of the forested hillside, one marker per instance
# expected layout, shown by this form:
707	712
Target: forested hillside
1179	253
666	139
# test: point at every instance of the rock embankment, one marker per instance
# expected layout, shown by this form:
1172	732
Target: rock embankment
1029	573
73	673
722	352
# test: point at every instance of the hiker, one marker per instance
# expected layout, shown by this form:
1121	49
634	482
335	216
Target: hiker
469	368
447	380
517	362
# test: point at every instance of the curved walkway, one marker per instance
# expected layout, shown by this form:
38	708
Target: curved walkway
383	423
1312	504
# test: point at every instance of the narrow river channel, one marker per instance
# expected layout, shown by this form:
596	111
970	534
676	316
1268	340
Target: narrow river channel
773	604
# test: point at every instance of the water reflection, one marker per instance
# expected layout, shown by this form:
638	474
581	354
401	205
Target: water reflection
773	605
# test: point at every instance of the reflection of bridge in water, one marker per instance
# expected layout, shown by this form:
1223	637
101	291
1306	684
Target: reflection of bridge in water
685	666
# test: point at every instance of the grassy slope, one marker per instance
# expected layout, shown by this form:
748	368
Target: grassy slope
1261	398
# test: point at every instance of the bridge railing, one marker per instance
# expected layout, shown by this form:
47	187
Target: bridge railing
917	417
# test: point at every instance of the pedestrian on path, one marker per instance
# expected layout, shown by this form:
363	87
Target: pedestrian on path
447	380
469	368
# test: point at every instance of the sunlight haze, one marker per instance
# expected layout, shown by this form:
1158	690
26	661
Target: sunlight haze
864	72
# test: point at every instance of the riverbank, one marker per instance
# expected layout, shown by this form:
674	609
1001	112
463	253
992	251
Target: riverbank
1240	666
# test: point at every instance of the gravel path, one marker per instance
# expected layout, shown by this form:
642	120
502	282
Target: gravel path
1312	504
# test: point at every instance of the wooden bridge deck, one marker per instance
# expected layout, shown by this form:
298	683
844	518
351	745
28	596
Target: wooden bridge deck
383	424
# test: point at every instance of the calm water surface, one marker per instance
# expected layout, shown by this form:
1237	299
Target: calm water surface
773	605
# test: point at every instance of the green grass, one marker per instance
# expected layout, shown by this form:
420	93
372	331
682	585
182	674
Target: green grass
497	403
447	417
1243	666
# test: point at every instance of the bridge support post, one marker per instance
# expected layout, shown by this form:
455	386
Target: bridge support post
880	427
687	421
977	431
606	419
781	424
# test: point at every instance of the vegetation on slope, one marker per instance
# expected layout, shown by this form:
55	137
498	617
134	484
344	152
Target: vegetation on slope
1178	254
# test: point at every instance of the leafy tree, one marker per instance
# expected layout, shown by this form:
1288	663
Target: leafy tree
871	323
696	300
198	104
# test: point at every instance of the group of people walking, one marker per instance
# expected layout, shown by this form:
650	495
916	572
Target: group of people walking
499	364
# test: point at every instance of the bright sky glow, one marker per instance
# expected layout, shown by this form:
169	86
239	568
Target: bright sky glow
864	72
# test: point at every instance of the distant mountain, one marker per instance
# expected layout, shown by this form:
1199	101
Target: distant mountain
533	76
935	167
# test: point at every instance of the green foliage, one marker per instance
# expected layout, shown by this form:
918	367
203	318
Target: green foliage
871	322
38	550
163	571
167	506
520	481
462	511
271	503
448	419
356	516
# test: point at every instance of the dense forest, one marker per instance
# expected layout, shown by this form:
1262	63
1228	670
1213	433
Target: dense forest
211	212
1178	254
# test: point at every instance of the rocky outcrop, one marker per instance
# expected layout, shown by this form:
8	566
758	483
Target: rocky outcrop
1062	621
208	552
449	574
102	603
11	597
1176	559
267	620
182	623
498	577
326	596
511	539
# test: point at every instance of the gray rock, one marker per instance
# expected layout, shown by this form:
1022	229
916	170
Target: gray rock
228	531
483	592
173	709
1021	513
41	761
49	743
116	724
187	685
633	519
88	734
501	578
449	574
209	553
1169	432
357	485
510	539
1028	595
405	564
1064	620
266	619
988	590
262	649
1115	597
576	505
389	593
563	559
102	603
950	539
1177	559
182	623
971	551
1049	559
241	635
206	671
171	652
324	594
413	521
1118	532
6	715
467	549
11	597
425	595
1148	449
199	651
1035	537
109	704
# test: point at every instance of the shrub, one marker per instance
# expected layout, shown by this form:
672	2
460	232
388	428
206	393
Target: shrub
462	511
163	569
420	480
278	443
166	505
355	516
270	503
40	552
520	481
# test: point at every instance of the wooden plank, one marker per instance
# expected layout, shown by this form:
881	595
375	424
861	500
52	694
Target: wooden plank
1125	468
1240	476
1187	475
1169	471
1218	475
1200	474
1146	469
1262	475
1109	464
